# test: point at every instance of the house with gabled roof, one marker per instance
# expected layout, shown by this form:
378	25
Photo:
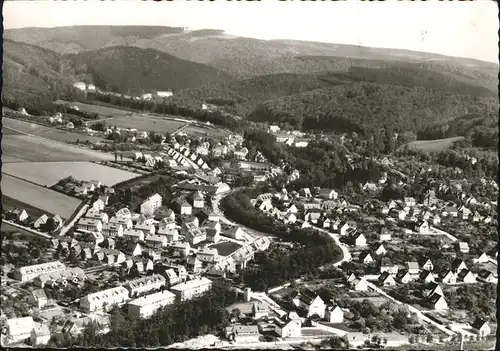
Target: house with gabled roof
437	302
448	277
426	276
358	239
310	302
465	276
379	249
422	227
426	264
328	194
432	288
359	284
458	265
486	276
463	247
481	327
40	221
386	279
365	257
404	277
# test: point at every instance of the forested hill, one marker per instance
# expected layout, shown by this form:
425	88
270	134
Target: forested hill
363	106
33	73
131	70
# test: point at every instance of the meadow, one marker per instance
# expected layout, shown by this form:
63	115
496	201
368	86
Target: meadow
38	197
25	148
49	173
142	123
434	145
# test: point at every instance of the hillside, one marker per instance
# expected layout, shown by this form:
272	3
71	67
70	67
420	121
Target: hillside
30	72
363	106
246	94
132	70
239	56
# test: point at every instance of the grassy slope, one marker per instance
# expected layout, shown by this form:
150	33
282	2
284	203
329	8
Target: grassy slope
129	69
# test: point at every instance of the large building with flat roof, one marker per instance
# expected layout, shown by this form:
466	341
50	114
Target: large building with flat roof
146	306
191	289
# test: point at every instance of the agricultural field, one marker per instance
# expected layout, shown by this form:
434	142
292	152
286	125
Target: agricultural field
9	203
142	123
197	130
38	197
49	173
434	145
25	148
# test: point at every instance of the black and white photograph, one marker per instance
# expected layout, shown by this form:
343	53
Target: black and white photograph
265	175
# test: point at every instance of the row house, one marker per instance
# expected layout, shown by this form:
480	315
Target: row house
145	285
112	230
167	224
133	249
30	272
158	241
124	221
210	255
191	289
147	306
147	228
75	275
103	300
89	224
96	215
133	234
172	235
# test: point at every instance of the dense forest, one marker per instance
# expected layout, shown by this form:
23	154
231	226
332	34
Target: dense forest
132	70
313	250
364	106
176	323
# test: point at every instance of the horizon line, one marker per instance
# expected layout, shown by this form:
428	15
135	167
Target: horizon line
187	29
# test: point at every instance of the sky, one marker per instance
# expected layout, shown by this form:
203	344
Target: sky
463	29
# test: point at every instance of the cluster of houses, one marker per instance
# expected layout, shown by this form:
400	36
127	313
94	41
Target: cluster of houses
20	216
290	138
186	157
265	320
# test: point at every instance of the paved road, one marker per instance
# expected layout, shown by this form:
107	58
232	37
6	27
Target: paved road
29	230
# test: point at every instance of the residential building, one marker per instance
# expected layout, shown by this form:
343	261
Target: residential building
126	222
151	204
334	314
148	229
359	284
431	289
192	288
195	235
89	224
207	255
198	200
426	276
158	241
437	302
413	267
98	205
365	257
40	335
404	277
486	276
235	232
422	227
180	248
379	249
328	194
463	247
386	279
448	277
426	264
482	327
28	273
104	299
133	249
359	239
145	285
19	329
457	265
384	235
183	207
133	234
290	328
466	277
112	230
243	333
172	235
167	223
194	264
38	298
147	306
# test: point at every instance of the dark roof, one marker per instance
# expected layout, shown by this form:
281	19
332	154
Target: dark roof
434	298
478	323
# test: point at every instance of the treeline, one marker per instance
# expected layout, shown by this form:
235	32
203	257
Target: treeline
167	108
365	106
321	163
176	323
314	249
479	130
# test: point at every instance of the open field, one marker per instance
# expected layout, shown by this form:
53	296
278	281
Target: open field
103	111
433	145
149	123
17	127
198	130
26	148
9	203
225	248
49	173
21	126
38	196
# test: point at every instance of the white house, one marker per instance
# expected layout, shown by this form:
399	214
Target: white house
146	306
192	288
104	299
334	314
145	285
19	329
151	204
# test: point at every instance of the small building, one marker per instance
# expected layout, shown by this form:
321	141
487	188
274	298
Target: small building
235	232
243	333
481	327
19	329
426	276
448	277
386	279
422	227
437	302
334	314
39	298
426	264
463	247
404	277
40	335
290	328
156	240
465	276
457	265
198	200
359	239
365	257
359	284
379	249
412	267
